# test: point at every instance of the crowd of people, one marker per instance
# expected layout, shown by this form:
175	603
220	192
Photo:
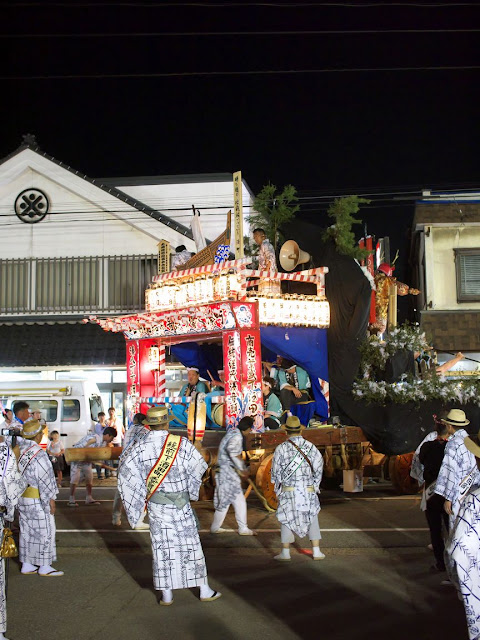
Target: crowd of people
160	474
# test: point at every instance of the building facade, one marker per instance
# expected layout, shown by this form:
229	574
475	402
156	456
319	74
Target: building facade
73	246
446	264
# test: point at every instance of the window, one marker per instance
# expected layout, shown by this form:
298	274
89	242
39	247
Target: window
467	264
128	277
96	405
70	410
48	408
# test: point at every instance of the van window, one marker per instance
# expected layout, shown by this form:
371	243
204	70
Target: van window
96	405
48	408
70	410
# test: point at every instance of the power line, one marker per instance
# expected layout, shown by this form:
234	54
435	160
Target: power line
177	34
183	74
201	34
265	5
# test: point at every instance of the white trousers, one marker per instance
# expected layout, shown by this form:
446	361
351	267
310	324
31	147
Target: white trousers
240	507
287	536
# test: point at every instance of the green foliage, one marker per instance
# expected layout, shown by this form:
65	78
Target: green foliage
273	210
375	354
342	211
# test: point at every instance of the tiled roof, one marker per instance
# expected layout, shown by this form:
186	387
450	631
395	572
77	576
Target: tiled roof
452	330
52	345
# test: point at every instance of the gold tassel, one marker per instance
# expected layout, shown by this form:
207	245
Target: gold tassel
8	548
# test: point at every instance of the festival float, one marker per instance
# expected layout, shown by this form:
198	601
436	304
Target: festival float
213	301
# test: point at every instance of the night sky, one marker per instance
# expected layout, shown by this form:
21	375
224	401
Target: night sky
388	133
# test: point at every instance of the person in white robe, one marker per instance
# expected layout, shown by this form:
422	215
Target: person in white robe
458	472
36	506
297	470
136	433
228	479
463	547
178	559
416	470
79	470
12	485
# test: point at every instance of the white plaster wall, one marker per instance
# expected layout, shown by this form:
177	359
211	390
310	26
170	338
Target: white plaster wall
84	219
212	199
440	264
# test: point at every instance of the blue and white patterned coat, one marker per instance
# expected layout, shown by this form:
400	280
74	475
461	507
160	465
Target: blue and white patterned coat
12	485
178	560
297	508
227	481
457	464
463	547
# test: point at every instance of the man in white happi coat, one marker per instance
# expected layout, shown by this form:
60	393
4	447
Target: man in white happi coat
463	547
458	472
79	470
36	506
136	433
416	470
228	479
163	473
297	470
12	485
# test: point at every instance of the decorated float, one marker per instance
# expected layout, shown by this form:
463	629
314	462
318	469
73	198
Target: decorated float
246	316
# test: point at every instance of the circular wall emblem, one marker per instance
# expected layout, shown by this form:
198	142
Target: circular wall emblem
31	205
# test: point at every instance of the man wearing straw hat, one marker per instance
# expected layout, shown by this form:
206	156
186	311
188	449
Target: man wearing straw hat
36	506
463	547
162	473
297	470
458	472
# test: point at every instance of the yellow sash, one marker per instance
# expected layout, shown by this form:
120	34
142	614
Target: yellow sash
162	466
31	492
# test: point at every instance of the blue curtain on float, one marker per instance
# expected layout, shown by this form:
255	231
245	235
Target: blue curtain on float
206	357
307	347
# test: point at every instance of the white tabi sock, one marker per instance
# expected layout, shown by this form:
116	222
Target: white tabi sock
27	567
2	637
206	591
167	595
284	554
317	553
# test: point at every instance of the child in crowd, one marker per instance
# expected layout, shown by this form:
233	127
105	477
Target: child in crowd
55	452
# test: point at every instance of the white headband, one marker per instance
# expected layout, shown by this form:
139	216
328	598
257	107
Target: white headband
193	369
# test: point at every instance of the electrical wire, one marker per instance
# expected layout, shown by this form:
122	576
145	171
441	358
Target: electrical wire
227	5
201	34
271	72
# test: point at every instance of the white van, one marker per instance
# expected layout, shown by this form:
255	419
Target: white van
70	407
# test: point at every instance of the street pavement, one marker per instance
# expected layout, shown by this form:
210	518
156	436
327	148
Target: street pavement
375	581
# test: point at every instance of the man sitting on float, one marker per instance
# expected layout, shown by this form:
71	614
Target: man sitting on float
294	383
194	384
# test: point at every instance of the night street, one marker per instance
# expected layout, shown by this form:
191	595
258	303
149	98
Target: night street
374	582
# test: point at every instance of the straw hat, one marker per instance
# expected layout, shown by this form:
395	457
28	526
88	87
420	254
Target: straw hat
157	416
472	446
31	429
293	424
457	418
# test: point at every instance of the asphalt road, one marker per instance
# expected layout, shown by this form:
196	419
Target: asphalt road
375	581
